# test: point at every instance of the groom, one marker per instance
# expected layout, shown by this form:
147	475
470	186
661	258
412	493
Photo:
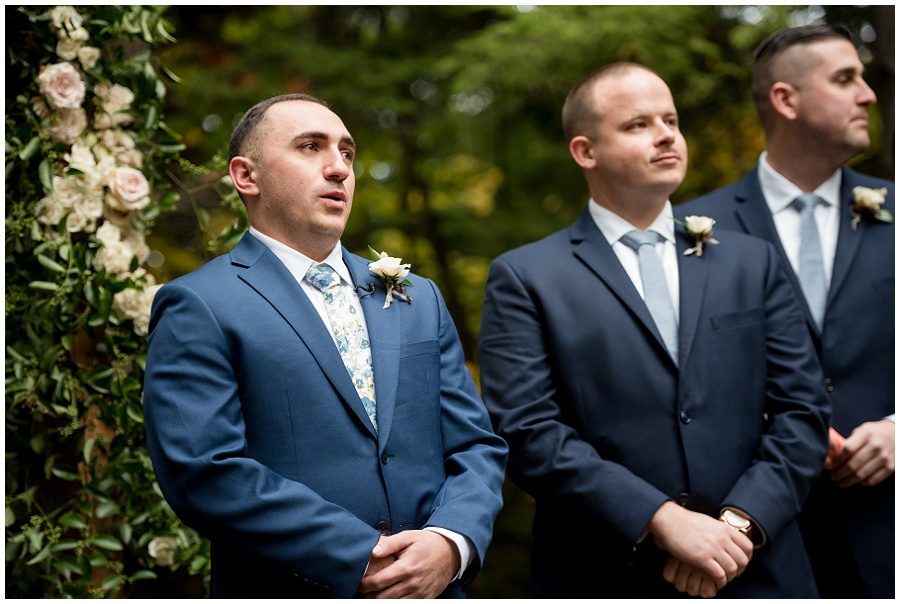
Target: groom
665	410
327	445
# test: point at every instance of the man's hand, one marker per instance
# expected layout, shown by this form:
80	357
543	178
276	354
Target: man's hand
378	560
425	564
867	457
709	545
689	579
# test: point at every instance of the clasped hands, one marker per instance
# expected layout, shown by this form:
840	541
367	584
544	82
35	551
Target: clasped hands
866	458
410	564
707	554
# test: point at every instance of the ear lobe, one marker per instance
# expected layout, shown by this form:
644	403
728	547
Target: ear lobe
783	98
243	174
581	148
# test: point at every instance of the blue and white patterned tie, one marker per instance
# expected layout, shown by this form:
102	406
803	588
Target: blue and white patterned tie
811	266
349	334
656	291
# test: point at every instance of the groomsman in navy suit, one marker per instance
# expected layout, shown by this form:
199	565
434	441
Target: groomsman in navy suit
839	255
327	441
659	392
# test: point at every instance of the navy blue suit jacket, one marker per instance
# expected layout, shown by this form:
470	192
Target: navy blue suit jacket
260	441
603	427
855	345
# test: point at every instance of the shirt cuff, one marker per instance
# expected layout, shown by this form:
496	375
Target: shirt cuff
463	544
890	418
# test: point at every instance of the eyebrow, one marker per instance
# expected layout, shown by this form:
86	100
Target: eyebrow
321	136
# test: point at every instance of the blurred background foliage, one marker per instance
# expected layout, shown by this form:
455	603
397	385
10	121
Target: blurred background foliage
456	111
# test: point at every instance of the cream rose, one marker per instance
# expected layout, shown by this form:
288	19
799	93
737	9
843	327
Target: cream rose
66	18
870	199
114	98
71	123
67	49
699	225
68	190
128	189
162	549
114	257
389	267
61	85
88	56
49	211
76	222
90	204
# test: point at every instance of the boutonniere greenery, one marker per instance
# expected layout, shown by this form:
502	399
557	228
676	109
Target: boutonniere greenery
391	271
700	228
868	202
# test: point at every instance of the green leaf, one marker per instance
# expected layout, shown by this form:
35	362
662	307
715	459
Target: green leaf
10	517
30	149
169	73
172	148
45	174
125	531
64	474
72	520
111	582
375	255
104	510
152	114
64	545
44	285
89	448
107	542
142	575
41	556
52	265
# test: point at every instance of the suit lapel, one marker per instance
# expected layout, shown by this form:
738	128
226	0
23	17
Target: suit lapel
591	248
266	274
384	328
848	238
692	271
754	215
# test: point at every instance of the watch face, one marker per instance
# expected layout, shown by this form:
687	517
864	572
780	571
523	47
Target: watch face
734	520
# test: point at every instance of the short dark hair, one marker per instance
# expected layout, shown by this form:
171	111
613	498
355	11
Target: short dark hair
578	113
245	130
774	46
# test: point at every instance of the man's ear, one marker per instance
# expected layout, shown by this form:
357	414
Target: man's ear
581	148
783	98
243	175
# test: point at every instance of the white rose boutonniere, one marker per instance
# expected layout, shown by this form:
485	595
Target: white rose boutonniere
392	272
701	229
868	202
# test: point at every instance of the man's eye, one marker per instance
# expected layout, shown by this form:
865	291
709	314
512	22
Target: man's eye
348	155
308	146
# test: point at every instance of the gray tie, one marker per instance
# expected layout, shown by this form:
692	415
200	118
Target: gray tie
656	291
811	266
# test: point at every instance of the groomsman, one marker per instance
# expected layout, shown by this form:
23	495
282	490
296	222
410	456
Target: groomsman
659	393
832	227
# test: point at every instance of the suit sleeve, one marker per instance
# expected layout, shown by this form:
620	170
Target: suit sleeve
474	457
548	457
792	448
196	437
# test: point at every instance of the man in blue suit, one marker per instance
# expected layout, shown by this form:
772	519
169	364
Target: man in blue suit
666	411
329	441
812	98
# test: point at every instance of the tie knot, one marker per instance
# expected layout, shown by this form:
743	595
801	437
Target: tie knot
807	202
635	239
322	277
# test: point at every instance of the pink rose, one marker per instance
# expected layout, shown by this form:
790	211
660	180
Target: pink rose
61	85
129	189
69	126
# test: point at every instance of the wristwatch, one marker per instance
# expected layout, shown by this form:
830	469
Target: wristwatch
737	521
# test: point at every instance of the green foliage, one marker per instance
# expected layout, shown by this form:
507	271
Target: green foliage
86	151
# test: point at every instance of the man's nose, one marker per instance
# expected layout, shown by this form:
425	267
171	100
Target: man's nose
337	167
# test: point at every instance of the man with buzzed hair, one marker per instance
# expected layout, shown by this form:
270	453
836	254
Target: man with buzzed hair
833	228
631	381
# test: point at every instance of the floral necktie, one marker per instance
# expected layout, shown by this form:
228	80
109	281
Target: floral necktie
349	334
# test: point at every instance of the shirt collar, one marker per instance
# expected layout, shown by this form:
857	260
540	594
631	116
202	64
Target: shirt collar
614	226
779	192
299	263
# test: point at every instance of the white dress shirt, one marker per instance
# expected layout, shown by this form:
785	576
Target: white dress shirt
780	192
614	227
298	264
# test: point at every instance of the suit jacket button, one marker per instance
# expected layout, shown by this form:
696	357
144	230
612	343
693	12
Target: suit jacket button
829	385
385	458
685	418
683	499
383	527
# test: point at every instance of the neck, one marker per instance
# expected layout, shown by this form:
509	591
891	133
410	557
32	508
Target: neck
801	164
638	210
314	248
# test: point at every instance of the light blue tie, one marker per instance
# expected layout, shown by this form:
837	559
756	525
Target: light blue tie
349	334
656	291
810	264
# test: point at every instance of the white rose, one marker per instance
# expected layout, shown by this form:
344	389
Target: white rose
76	222
389	267
870	199
90	204
119	218
88	56
162	549
114	98
135	240
68	190
80	158
71	123
109	233
49	211
61	85
67	49
40	108
700	225
121	146
66	18
129	189
115	257
142	321
79	34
